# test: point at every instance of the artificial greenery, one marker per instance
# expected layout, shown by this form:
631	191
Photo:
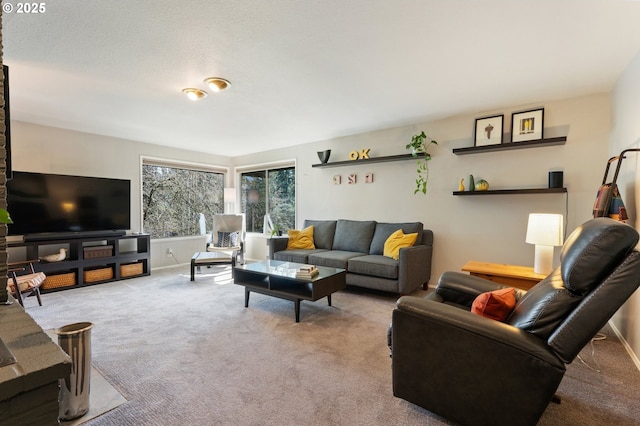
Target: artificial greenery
418	146
5	217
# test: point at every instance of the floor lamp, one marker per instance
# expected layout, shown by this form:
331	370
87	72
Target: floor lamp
545	231
229	199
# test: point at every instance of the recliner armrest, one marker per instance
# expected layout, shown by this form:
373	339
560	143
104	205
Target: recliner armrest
462	289
461	321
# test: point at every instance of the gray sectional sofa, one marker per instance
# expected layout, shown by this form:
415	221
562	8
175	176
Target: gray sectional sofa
358	246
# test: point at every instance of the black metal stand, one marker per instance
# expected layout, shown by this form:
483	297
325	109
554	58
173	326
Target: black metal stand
608	190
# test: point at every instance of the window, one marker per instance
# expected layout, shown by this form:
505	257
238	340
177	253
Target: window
173	196
270	191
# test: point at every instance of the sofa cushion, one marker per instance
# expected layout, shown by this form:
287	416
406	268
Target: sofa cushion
396	241
353	235
323	232
301	239
384	230
297	256
374	265
333	258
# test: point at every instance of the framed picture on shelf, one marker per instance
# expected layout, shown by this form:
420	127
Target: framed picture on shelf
337	180
527	125
488	130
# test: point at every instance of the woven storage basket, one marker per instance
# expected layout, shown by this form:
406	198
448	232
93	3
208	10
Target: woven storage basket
131	269
98	275
60	280
92	252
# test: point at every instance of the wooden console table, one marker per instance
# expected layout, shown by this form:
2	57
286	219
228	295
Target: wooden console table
521	277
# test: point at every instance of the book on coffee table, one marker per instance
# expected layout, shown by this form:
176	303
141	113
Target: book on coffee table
307	271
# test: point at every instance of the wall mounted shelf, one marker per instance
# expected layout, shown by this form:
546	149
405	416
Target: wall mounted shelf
401	157
514	191
511	145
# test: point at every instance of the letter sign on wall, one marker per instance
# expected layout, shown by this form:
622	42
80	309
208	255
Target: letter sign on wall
362	155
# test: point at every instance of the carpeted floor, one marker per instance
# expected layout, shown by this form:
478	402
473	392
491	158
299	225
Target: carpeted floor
190	353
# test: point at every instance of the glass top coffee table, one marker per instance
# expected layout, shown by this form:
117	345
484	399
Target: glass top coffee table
278	279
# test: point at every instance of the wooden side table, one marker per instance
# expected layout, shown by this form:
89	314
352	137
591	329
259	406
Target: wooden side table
521	277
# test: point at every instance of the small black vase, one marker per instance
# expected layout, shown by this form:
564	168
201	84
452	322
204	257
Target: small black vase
324	155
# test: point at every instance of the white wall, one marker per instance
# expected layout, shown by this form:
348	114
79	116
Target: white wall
486	228
625	134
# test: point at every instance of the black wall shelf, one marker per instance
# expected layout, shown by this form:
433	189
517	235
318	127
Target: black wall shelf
386	159
511	145
514	191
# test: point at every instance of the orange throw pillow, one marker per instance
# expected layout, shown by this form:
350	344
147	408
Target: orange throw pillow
496	304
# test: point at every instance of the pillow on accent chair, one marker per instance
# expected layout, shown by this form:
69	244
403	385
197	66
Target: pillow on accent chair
396	241
228	239
301	239
496	304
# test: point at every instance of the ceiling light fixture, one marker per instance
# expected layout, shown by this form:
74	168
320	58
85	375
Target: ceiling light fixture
194	94
217	84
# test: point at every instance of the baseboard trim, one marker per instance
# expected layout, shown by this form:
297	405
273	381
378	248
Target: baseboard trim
159	268
626	345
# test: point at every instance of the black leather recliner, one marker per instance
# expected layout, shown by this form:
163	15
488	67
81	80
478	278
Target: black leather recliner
475	370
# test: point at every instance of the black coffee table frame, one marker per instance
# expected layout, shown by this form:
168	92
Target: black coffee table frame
277	279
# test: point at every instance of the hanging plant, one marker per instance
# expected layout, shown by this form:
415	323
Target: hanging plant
418	147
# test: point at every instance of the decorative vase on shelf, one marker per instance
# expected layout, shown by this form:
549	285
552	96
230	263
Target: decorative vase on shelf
324	156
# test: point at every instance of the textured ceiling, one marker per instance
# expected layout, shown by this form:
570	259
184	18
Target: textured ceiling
303	71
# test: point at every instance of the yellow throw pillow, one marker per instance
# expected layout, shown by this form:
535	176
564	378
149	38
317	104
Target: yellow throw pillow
396	241
301	239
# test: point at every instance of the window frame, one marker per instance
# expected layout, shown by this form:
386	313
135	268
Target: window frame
256	167
180	164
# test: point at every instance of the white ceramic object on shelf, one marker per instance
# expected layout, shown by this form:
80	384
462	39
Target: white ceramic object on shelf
56	257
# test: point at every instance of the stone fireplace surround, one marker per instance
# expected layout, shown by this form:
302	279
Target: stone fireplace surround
29	387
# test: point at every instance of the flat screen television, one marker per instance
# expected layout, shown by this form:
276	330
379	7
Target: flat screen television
62	206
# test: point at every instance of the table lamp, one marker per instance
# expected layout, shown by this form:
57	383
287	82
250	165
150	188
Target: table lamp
545	231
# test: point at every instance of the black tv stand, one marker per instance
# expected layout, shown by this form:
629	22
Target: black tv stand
70	235
119	256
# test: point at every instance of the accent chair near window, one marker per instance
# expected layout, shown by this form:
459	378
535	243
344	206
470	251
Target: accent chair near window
228	236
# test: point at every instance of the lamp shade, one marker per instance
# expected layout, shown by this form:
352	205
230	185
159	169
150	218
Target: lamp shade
229	195
545	229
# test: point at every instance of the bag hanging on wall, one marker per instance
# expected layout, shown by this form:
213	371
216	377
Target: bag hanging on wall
609	203
608	200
